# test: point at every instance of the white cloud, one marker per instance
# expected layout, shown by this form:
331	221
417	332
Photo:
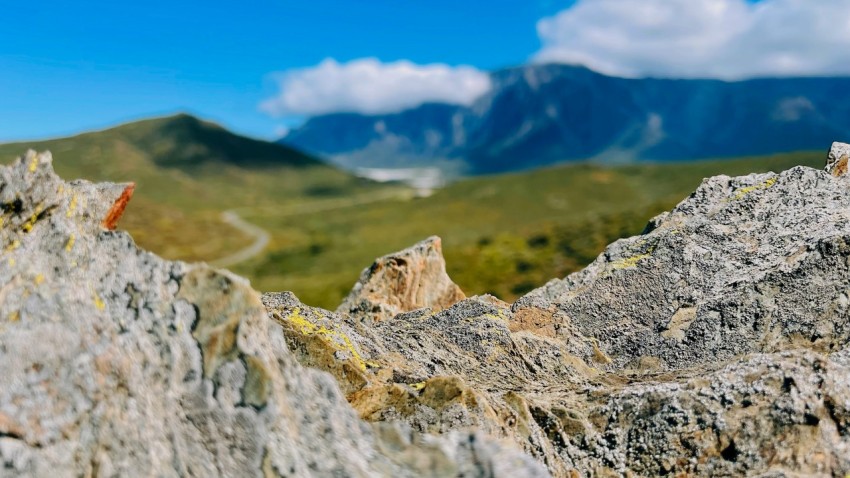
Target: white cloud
371	87
728	39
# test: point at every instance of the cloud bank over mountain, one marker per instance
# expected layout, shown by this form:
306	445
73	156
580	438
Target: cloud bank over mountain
717	39
725	39
369	86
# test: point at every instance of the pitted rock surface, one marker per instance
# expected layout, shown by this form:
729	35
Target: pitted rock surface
744	265
407	280
713	344
115	362
838	158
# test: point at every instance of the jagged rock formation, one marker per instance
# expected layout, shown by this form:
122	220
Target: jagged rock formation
836	161
115	362
412	279
714	344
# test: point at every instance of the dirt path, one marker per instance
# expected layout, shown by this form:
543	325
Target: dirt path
260	235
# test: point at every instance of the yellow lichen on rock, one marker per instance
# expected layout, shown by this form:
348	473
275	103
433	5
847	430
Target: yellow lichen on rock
335	338
757	187
72	206
70	244
36	215
632	261
98	302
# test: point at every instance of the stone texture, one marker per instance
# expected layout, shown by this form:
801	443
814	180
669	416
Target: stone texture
713	344
407	280
836	162
744	265
115	362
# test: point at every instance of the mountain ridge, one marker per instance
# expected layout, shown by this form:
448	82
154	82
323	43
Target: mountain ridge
545	114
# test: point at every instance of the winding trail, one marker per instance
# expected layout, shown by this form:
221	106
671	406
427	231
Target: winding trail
262	237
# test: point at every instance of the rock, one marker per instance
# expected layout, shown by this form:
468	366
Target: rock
744	265
116	362
836	162
407	280
436	371
715	343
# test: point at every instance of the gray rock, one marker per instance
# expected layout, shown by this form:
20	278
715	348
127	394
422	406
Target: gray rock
744	265
116	362
836	162
402	282
713	344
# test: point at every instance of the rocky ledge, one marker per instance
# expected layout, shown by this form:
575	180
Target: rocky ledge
115	362
713	344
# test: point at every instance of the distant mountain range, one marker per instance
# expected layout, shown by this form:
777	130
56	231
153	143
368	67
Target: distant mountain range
544	114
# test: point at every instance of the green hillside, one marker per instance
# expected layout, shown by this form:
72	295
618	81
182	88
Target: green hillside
187	172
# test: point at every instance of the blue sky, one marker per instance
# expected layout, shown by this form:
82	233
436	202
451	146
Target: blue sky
259	66
72	66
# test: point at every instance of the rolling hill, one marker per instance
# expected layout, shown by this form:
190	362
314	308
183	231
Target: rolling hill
540	115
187	171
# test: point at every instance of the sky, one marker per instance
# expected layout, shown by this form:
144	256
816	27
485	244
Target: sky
260	67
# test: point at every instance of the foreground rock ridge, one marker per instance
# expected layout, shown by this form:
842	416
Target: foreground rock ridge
115	362
713	344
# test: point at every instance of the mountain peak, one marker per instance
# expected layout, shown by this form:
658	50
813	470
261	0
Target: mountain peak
186	141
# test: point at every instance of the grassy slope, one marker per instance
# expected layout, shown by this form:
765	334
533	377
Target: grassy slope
187	171
501	234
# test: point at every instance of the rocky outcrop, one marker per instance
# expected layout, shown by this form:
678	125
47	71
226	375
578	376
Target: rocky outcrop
713	344
115	362
836	161
412	279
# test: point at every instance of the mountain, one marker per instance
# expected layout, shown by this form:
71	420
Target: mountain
187	171
544	114
185	141
180	141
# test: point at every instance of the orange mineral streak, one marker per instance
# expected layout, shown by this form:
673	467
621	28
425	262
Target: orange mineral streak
114	215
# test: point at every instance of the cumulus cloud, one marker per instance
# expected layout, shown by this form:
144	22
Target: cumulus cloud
369	86
729	39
